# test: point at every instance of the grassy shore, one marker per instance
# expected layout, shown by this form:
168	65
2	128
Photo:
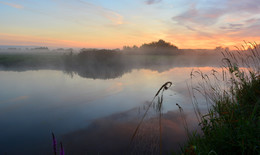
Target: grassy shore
232	123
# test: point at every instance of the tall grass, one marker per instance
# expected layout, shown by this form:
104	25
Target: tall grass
232	122
147	137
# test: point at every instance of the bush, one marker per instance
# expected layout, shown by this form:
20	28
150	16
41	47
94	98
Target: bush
232	124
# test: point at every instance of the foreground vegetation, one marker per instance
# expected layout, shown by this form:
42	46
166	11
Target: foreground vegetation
232	124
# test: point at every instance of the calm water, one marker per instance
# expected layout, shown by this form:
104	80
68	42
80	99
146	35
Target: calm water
87	115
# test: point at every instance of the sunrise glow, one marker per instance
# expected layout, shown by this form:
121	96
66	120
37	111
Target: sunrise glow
113	24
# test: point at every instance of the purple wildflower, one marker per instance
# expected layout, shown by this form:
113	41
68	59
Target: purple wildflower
61	149
54	144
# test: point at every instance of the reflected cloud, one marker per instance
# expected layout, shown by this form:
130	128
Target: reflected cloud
117	87
11	104
14	99
112	134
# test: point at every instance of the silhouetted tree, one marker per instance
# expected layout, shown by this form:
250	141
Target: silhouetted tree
161	44
135	47
126	48
220	48
159	47
41	48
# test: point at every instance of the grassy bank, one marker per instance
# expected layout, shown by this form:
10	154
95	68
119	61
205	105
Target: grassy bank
232	123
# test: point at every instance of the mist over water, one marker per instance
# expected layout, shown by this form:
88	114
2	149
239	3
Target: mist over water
92	103
98	77
105	64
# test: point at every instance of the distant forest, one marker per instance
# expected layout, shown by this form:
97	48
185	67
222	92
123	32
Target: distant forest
105	63
159	47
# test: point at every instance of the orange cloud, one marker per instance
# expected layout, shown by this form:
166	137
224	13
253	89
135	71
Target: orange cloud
116	18
13	39
192	41
197	41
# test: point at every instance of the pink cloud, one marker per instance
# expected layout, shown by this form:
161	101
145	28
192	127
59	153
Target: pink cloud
17	6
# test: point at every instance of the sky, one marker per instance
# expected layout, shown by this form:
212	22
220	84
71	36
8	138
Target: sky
194	24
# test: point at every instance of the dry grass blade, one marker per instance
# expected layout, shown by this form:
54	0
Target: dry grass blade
183	118
163	87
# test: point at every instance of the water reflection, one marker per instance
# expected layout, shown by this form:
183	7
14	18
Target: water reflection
112	134
110	66
87	115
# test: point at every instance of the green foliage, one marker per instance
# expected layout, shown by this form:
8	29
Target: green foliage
29	60
232	124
